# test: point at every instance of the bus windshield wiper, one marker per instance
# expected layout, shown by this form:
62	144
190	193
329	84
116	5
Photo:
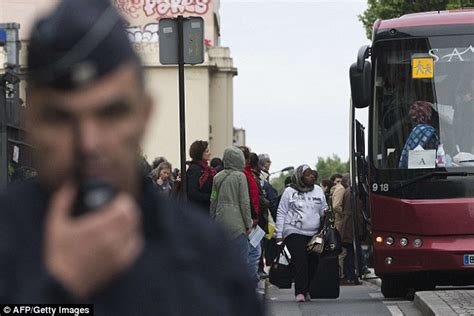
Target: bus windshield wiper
432	175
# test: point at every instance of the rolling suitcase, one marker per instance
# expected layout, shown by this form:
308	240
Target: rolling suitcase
325	283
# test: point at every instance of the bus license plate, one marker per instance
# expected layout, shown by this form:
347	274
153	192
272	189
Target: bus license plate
468	260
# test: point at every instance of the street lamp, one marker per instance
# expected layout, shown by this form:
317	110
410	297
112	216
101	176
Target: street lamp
287	169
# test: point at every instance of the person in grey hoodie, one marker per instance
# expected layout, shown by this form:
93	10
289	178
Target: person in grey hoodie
230	201
298	218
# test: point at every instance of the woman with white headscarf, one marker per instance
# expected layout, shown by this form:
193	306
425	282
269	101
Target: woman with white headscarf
298	218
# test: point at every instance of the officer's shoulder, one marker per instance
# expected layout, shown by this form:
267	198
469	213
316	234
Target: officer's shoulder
18	200
193	225
19	191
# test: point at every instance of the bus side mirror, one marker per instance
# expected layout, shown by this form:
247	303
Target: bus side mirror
361	84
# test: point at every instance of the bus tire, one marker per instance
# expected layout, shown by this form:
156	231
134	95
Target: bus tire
393	287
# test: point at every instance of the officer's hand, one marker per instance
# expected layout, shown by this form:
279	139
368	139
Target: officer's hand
85	253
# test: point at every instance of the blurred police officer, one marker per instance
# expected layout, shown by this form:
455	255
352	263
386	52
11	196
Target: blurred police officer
134	254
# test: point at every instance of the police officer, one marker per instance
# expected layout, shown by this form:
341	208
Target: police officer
91	229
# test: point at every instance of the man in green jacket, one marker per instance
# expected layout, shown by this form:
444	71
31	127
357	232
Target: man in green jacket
230	202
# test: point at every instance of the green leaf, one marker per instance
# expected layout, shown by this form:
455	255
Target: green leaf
389	9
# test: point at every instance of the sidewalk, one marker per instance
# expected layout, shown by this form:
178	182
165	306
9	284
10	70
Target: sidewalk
359	300
440	303
446	302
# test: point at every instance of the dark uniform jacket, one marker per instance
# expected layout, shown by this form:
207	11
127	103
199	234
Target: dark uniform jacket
185	268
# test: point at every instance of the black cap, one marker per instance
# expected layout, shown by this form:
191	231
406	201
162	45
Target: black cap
78	43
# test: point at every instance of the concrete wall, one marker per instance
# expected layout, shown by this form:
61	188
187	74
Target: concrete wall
209	106
221	105
23	12
162	138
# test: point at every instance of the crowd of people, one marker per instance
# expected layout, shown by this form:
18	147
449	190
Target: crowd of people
236	193
88	227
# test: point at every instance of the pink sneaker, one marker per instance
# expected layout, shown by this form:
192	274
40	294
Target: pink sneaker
300	298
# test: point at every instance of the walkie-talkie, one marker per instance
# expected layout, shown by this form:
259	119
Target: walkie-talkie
93	192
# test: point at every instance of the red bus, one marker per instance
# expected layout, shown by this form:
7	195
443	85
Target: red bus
417	82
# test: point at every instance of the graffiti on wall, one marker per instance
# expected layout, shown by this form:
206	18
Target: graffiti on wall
173	7
130	8
143	17
145	34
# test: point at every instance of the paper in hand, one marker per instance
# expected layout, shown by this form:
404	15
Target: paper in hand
256	236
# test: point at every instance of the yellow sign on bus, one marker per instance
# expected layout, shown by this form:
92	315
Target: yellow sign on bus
422	67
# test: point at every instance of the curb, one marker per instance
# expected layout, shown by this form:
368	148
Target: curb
431	304
428	302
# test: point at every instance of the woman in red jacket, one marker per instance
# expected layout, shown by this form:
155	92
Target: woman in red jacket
254	252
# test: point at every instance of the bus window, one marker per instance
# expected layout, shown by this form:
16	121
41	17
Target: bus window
450	91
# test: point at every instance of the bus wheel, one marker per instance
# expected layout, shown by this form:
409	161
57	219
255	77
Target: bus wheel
426	285
393	287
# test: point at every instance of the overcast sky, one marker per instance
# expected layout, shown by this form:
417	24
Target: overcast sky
292	91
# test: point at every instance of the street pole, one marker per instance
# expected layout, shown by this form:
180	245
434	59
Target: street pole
181	42
182	107
354	199
3	135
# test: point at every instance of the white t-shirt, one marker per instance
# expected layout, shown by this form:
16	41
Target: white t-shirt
300	213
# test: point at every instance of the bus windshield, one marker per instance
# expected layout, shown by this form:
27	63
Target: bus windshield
423	108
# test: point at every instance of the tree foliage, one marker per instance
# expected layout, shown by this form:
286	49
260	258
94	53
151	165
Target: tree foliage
389	9
326	168
331	165
279	182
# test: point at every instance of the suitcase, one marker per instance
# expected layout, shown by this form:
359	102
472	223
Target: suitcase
325	283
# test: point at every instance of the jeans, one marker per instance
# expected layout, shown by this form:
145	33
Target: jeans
241	245
253	259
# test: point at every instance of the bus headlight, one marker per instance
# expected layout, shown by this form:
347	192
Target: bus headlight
417	243
389	240
403	242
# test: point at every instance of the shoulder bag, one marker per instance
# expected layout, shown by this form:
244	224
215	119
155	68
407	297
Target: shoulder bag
281	271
